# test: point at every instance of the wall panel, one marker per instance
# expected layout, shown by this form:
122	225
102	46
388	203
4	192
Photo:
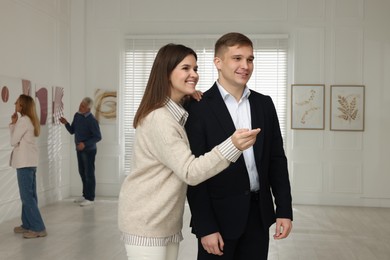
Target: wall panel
309	56
307	176
346	177
347	56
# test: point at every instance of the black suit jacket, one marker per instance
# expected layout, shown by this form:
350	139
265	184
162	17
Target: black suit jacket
221	204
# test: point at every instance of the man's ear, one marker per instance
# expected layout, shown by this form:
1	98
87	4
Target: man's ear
217	62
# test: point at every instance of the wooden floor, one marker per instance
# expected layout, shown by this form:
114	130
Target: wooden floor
320	232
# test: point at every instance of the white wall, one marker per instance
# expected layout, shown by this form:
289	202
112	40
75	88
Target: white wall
35	46
331	42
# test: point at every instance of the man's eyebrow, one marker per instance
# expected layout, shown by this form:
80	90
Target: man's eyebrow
240	55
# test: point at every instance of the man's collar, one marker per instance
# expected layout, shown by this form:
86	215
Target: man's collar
226	94
85	114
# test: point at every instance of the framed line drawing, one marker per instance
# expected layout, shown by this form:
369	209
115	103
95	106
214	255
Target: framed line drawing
347	107
307	106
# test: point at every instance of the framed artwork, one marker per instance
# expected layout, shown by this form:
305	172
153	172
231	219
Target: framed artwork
307	106
58	105
105	106
347	107
41	102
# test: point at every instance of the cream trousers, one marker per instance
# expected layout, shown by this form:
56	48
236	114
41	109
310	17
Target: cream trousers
168	252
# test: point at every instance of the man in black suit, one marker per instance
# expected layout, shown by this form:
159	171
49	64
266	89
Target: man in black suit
232	212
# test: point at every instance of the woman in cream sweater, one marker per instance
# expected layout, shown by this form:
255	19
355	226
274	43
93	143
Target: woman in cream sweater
152	197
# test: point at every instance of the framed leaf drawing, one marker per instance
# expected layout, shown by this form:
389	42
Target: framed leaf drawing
307	106
347	108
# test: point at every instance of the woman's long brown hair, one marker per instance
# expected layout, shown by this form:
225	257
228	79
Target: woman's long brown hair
158	87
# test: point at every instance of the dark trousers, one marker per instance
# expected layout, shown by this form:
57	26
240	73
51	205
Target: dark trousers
251	245
86	162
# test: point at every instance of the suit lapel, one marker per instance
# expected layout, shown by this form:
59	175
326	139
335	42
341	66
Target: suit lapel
257	117
219	108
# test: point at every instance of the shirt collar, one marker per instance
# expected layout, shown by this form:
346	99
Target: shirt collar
226	94
85	114
178	112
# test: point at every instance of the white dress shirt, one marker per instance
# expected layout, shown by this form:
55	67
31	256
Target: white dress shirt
241	114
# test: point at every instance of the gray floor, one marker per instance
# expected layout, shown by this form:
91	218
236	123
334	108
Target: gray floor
91	233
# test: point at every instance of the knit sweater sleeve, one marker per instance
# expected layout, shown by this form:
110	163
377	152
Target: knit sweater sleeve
169	143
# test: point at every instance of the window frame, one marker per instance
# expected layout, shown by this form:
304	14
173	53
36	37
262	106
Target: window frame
270	45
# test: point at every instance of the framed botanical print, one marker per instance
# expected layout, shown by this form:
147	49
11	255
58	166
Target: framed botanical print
307	106
347	107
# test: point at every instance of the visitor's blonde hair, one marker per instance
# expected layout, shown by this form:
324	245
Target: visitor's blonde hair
27	105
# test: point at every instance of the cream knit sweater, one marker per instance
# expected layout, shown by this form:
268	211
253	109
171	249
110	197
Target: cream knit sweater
152	197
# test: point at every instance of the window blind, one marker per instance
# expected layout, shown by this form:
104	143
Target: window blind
269	76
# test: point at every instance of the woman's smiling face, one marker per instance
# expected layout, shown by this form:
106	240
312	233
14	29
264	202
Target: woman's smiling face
184	78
